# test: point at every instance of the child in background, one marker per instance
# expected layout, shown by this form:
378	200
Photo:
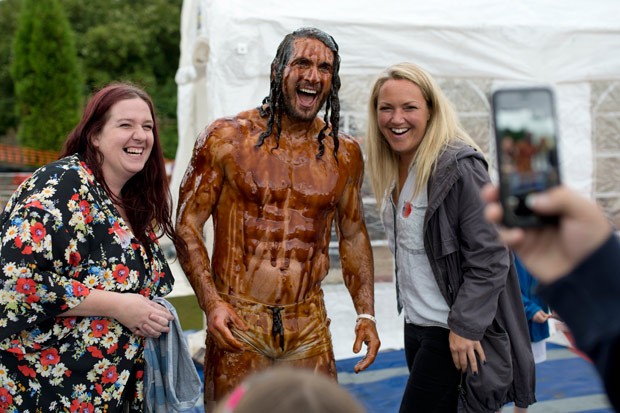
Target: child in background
537	313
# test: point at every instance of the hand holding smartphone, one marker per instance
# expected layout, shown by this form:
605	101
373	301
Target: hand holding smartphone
526	136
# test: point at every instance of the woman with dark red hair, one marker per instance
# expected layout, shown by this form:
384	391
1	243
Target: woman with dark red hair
80	264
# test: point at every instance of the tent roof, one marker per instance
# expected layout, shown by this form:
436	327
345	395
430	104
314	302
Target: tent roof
228	45
542	39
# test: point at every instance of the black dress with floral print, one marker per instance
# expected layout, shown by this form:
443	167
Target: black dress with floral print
62	237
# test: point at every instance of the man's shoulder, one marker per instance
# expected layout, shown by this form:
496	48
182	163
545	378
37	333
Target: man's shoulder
232	128
349	143
240	120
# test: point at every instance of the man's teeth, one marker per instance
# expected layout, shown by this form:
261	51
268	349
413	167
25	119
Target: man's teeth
308	91
400	130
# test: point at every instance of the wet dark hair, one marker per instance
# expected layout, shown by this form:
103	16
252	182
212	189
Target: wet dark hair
146	196
273	105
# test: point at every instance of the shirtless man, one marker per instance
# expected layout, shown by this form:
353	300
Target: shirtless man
275	178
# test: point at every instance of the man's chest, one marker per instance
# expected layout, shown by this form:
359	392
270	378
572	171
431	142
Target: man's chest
288	177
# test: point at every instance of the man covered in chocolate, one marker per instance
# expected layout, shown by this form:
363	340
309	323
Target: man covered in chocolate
274	178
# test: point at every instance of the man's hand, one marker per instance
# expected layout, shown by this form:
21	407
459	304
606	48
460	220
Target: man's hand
366	332
551	252
464	353
220	318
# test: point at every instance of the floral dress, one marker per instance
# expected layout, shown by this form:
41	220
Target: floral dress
60	238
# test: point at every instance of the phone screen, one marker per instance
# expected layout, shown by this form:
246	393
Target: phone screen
526	135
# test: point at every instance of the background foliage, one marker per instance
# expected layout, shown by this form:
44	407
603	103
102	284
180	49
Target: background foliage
130	40
46	76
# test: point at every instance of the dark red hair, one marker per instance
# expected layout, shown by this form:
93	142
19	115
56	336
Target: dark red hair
146	196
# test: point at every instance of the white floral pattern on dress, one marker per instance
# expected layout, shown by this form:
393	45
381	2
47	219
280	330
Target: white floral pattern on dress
62	237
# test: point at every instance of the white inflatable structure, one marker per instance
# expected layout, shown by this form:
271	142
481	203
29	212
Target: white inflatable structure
470	47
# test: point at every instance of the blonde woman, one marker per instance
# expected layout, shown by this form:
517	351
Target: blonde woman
466	337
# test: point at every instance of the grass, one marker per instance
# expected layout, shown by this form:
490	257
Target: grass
190	314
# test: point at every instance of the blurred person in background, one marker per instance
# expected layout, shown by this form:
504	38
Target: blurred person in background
286	390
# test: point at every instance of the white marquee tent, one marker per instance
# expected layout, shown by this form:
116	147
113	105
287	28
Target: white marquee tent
227	47
470	46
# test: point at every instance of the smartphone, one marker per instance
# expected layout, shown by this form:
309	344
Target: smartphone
526	136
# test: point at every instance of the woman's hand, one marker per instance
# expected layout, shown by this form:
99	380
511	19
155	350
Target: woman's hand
464	352
142	316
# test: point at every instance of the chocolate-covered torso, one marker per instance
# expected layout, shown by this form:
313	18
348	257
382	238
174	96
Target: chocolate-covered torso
274	209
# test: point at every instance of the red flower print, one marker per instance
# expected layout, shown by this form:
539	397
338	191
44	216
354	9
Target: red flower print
120	273
18	241
74	258
38	232
85	209
5	398
100	328
35	204
112	348
95	352
109	375
81	407
69	322
26	286
79	289
32	298
116	228
99	388
86	168
49	357
27	371
16	349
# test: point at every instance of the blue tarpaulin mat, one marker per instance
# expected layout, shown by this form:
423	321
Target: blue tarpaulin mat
564	383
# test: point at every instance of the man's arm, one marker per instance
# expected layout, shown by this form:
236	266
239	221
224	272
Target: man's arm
588	301
198	194
199	188
357	260
577	264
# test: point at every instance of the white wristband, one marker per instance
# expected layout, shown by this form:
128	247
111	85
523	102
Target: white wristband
366	316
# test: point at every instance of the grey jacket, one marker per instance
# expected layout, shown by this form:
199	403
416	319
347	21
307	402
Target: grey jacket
477	277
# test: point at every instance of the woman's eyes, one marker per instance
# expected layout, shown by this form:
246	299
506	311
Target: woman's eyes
129	125
389	108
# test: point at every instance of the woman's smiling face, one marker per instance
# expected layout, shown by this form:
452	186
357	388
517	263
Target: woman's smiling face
402	115
125	141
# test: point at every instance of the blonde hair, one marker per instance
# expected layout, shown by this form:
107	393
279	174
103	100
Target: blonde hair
285	390
442	129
